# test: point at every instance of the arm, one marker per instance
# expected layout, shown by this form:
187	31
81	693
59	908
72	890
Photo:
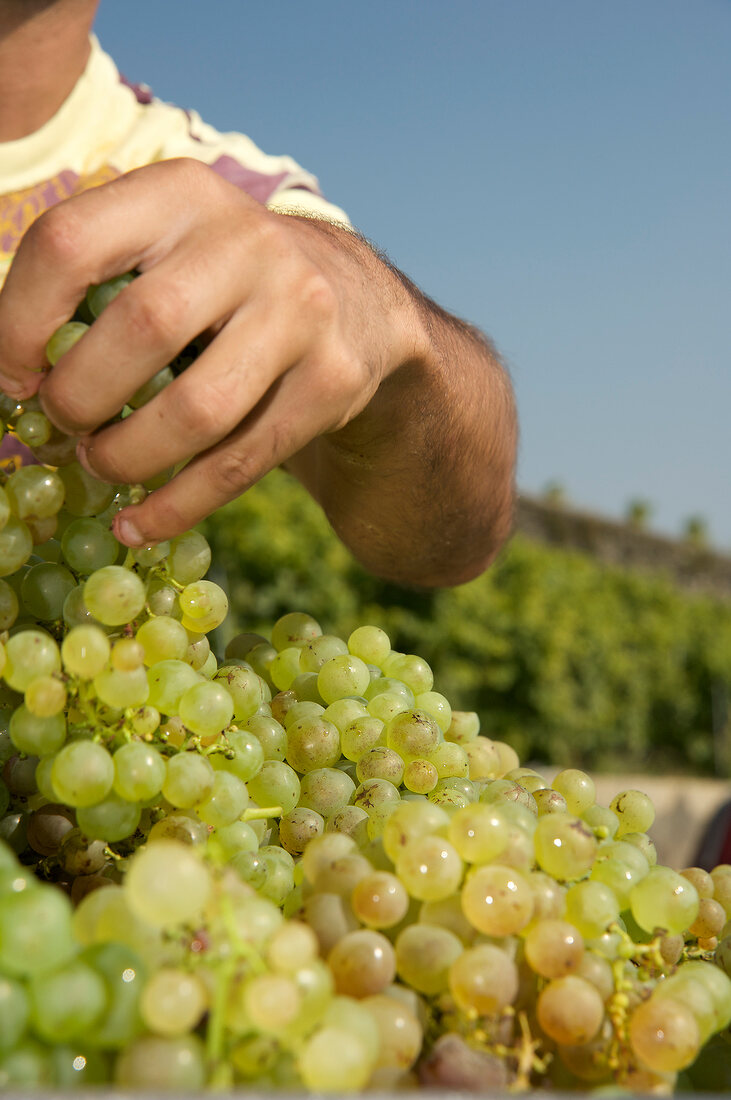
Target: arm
419	485
395	416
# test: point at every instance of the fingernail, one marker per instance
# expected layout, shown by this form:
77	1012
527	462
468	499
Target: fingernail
82	455
129	533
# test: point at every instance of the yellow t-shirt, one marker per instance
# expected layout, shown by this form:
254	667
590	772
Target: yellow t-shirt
107	127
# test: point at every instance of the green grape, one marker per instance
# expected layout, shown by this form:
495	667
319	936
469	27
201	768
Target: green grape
302	709
75	611
168	681
99	297
85	651
147	556
45	696
298	827
554	948
114	595
352	821
247	689
312	743
29	654
121	689
83	494
285	667
342	676
14	1013
34	492
204	606
206	708
361	735
450	760
320	1072
437	706
8	606
592	906
478	832
66	1003
570	1010
139	771
35	931
411	821
144	721
664	1034
33	429
717	984
243	755
294	629
363	963
420	776
4	508
314	652
28	1066
497	900
167	884
151	388
16	546
371	644
82	773
326	790
577	788
380	900
189	558
387	704
430	868
484	757
634	810
270	734
188	779
483	980
156	1062
44	590
664	899
173	1002
112	819
276	784
413	734
34	735
226	802
424	956
564	846
228	840
163	599
64	339
602	821
88	545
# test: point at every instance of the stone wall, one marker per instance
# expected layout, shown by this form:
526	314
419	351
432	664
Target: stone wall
691	566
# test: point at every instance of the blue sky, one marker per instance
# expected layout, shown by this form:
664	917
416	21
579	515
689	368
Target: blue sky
556	171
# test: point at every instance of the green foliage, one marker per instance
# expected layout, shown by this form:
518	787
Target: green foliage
570	661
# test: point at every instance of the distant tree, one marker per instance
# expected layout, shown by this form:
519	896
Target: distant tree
637	513
695	532
554	494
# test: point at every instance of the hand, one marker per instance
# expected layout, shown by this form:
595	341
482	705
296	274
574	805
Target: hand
300	337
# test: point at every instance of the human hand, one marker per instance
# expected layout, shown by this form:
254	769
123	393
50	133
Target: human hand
299	339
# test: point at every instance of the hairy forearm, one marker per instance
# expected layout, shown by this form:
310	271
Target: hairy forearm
420	485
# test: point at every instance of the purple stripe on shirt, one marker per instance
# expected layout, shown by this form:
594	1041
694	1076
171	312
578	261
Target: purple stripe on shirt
257	184
143	94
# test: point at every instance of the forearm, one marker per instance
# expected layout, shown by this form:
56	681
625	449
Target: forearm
420	485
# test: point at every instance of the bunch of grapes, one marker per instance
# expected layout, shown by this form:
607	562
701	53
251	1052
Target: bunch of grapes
297	866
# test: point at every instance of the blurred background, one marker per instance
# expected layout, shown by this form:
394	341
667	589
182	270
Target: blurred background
559	175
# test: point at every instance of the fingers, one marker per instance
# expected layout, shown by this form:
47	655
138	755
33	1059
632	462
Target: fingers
200	407
131	222
300	406
143	329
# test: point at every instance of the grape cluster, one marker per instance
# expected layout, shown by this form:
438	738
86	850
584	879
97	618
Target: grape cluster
297	866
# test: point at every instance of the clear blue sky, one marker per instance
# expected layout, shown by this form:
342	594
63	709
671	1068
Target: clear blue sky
556	171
